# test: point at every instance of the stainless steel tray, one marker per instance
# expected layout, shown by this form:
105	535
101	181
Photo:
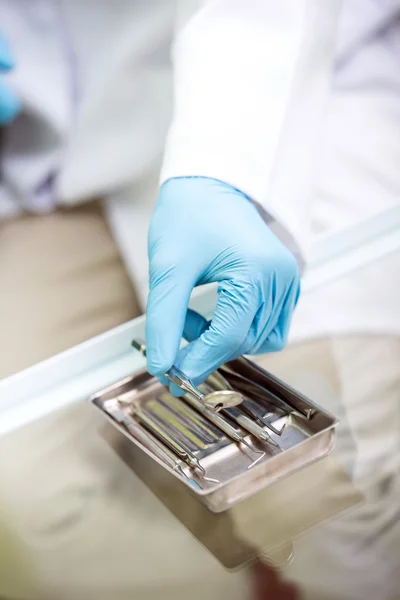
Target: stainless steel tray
303	441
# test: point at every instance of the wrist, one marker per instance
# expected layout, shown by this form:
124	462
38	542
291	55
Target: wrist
200	183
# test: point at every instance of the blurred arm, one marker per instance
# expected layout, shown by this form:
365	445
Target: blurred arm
251	80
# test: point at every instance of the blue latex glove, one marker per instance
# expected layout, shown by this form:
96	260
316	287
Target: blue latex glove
9	104
205	231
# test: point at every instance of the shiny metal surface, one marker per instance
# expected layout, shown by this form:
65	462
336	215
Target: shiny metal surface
265	398
229	429
255	429
222	399
257	411
276	390
113	408
249	425
191	418
214	400
223	424
217	381
303	441
162	434
177	427
183	382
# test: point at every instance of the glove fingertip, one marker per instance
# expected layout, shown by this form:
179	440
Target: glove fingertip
195	325
156	368
199	360
275	342
163	380
157	360
176	390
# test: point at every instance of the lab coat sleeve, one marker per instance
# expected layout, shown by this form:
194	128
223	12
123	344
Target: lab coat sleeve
251	80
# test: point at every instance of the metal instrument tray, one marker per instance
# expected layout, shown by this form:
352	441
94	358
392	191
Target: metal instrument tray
308	436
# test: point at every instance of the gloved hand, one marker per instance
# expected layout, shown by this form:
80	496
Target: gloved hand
9	104
205	231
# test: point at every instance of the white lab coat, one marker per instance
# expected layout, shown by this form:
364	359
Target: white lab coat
278	99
